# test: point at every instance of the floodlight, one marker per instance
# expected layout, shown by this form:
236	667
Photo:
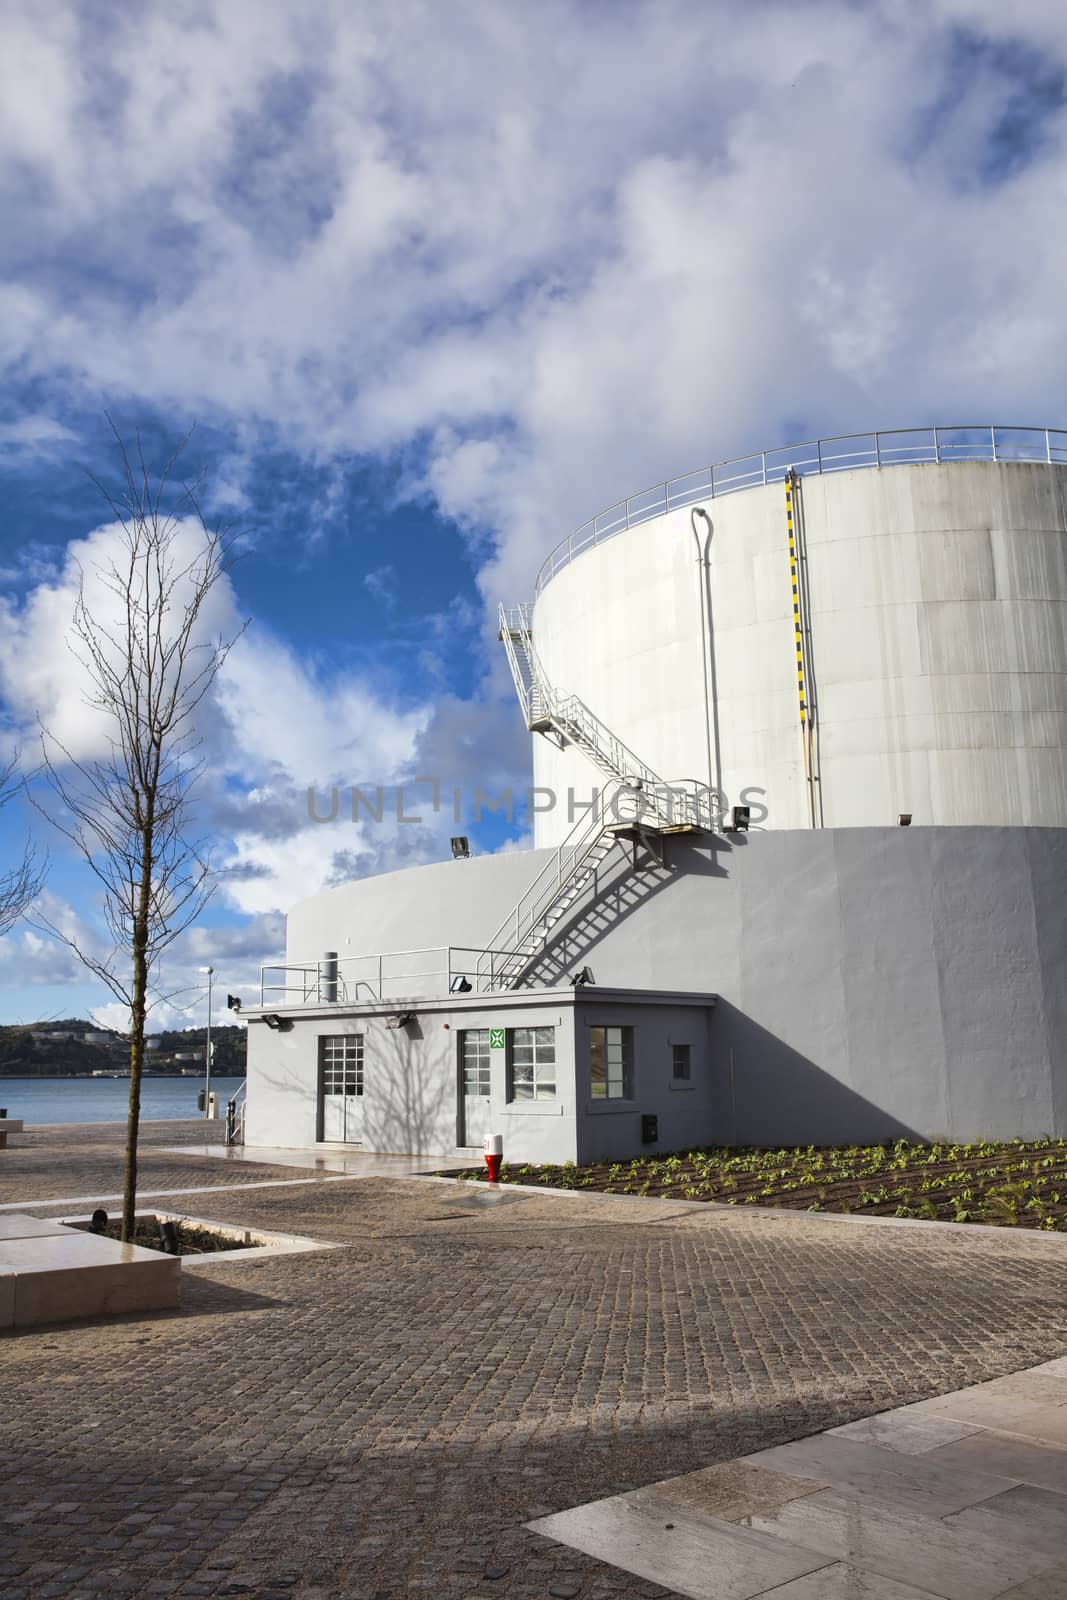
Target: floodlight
461	847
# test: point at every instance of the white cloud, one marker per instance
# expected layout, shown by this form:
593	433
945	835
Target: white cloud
34	434
572	250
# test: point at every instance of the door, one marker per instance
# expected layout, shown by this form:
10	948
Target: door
342	1088
474	1088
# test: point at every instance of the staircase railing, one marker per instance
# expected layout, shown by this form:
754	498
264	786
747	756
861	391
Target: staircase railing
235	1115
526	669
519	933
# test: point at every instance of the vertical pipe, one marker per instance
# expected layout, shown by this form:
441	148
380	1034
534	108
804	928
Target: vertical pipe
1048	446
328	977
993	437
763	461
878	450
207	1049
937	445
798	636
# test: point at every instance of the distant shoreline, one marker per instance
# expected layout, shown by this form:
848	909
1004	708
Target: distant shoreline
108	1077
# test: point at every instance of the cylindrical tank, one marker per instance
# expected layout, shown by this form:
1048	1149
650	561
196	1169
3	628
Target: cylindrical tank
935	649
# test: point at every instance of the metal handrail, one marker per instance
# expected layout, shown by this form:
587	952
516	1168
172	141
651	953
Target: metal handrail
452	962
236	1106
959	442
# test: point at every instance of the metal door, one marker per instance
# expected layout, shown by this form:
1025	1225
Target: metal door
342	1088
474	1088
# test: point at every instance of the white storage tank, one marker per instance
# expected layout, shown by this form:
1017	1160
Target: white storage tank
933	597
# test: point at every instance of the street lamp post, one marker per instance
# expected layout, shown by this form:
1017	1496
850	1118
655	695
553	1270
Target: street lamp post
207	1046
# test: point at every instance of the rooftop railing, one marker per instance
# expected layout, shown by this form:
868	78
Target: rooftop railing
425	973
902	447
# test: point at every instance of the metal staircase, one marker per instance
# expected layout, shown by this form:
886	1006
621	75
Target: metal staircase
561	882
567	720
635	805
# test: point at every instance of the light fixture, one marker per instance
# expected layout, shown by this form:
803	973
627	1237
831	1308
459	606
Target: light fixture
279	1024
233	1002
904	819
459	985
740	816
401	1020
582	979
461	847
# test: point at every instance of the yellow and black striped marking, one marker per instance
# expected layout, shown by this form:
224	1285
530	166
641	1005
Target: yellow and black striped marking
790	483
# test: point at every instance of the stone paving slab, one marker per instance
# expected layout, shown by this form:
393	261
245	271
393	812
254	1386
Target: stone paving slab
879	1518
383	1419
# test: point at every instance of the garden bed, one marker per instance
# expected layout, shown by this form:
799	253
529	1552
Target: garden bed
1018	1185
190	1238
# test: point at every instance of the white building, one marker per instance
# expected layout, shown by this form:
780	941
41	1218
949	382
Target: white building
842	637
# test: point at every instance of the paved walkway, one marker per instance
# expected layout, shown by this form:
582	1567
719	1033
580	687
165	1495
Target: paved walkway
963	1497
386	1418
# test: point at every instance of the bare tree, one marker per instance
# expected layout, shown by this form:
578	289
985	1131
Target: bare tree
21	884
143	645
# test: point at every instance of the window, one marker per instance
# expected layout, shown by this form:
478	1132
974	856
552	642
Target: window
611	1055
476	1077
342	1064
533	1063
680	1064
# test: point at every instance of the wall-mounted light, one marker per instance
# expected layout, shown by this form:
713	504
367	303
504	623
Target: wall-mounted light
460	985
233	1002
461	847
739	816
279	1024
581	980
904	819
401	1020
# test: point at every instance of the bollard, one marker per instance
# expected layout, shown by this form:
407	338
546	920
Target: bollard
493	1146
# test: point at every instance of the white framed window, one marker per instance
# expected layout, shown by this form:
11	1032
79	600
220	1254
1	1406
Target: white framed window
681	1063
476	1074
611	1063
532	1063
342	1064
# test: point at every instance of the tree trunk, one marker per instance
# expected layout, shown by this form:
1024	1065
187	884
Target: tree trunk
138	1009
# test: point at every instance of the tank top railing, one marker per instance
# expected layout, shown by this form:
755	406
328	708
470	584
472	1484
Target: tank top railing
847	453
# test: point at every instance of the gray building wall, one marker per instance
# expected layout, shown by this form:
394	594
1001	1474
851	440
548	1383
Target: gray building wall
412	1076
871	982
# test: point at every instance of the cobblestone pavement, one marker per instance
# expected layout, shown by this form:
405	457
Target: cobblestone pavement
379	1420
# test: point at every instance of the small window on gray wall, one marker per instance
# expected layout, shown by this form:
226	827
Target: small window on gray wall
680	1058
532	1063
611	1063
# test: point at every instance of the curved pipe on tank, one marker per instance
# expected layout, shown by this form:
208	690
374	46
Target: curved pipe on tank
707	652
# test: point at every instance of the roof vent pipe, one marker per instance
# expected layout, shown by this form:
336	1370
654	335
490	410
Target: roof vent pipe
328	977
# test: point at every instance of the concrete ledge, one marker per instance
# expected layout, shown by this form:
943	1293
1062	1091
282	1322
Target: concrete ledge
50	1273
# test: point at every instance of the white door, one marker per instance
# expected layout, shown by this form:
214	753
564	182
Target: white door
474	1088
342	1088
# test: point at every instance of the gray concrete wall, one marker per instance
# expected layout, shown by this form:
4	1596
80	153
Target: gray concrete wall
411	1099
610	1130
872	982
411	1079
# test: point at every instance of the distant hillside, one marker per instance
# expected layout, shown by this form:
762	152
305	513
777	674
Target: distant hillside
73	1046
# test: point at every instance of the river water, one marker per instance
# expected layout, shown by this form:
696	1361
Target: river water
37	1100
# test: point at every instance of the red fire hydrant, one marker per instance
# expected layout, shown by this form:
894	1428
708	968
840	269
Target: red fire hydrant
493	1146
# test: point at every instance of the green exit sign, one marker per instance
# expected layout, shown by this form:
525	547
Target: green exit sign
496	1038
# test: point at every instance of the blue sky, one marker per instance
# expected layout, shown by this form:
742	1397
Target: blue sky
436	284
